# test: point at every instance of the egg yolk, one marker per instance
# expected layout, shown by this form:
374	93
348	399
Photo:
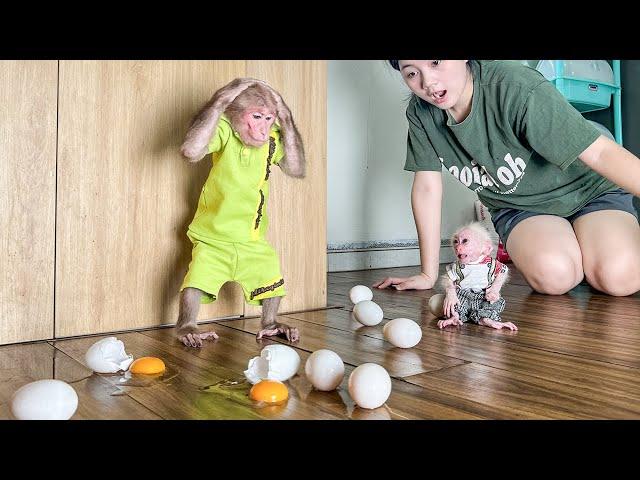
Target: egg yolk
269	391
147	365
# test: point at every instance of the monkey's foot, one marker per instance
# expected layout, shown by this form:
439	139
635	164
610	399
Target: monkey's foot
497	325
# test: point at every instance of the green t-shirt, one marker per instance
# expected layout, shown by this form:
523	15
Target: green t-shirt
518	146
233	202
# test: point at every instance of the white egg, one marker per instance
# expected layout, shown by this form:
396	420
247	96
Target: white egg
276	362
353	323
108	356
368	313
324	369
436	303
360	293
402	332
44	400
369	385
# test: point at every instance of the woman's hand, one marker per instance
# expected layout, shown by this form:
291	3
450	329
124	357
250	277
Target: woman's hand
416	282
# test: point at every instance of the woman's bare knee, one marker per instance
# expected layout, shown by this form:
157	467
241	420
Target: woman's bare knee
553	274
618	275
610	244
546	251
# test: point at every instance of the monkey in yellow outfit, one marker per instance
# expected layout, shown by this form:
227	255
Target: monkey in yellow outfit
238	125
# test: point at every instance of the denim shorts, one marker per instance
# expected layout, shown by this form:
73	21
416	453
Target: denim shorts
505	219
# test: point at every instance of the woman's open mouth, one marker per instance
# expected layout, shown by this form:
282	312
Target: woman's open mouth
439	96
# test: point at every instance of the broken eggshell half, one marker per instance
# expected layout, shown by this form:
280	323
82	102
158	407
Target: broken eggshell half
276	362
108	356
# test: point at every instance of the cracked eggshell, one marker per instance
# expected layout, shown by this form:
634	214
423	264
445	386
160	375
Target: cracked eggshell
108	356
276	362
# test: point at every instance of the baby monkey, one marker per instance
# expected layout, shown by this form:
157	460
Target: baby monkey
472	283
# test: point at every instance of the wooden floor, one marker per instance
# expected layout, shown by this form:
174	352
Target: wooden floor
575	356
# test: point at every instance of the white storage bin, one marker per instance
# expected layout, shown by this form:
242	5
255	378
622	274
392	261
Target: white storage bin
593	70
587	84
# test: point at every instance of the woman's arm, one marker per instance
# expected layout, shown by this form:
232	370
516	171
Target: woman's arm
614	162
426	202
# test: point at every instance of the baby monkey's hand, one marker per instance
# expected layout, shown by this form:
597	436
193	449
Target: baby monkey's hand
492	295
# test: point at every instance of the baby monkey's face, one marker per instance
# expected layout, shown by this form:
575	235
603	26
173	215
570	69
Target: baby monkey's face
469	247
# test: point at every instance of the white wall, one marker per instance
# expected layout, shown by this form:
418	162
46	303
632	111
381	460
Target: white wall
370	224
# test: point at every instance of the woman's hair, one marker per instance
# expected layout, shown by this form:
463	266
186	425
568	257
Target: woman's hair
396	64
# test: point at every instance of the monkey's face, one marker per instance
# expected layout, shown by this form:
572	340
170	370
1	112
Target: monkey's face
469	247
255	125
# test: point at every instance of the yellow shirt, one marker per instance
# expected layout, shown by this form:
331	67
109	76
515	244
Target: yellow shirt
233	201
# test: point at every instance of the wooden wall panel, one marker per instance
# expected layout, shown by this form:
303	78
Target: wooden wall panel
28	96
298	208
125	196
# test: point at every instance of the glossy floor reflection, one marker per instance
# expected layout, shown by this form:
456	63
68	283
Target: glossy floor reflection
575	356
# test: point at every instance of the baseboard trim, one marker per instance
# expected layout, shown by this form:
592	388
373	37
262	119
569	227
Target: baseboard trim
342	260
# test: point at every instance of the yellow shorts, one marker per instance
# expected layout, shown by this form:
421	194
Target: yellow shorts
254	265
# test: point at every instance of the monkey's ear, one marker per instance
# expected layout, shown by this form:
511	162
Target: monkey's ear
488	248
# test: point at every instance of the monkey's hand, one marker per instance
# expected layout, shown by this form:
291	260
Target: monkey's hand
282	329
194	147
282	110
227	94
416	282
449	305
192	337
492	294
